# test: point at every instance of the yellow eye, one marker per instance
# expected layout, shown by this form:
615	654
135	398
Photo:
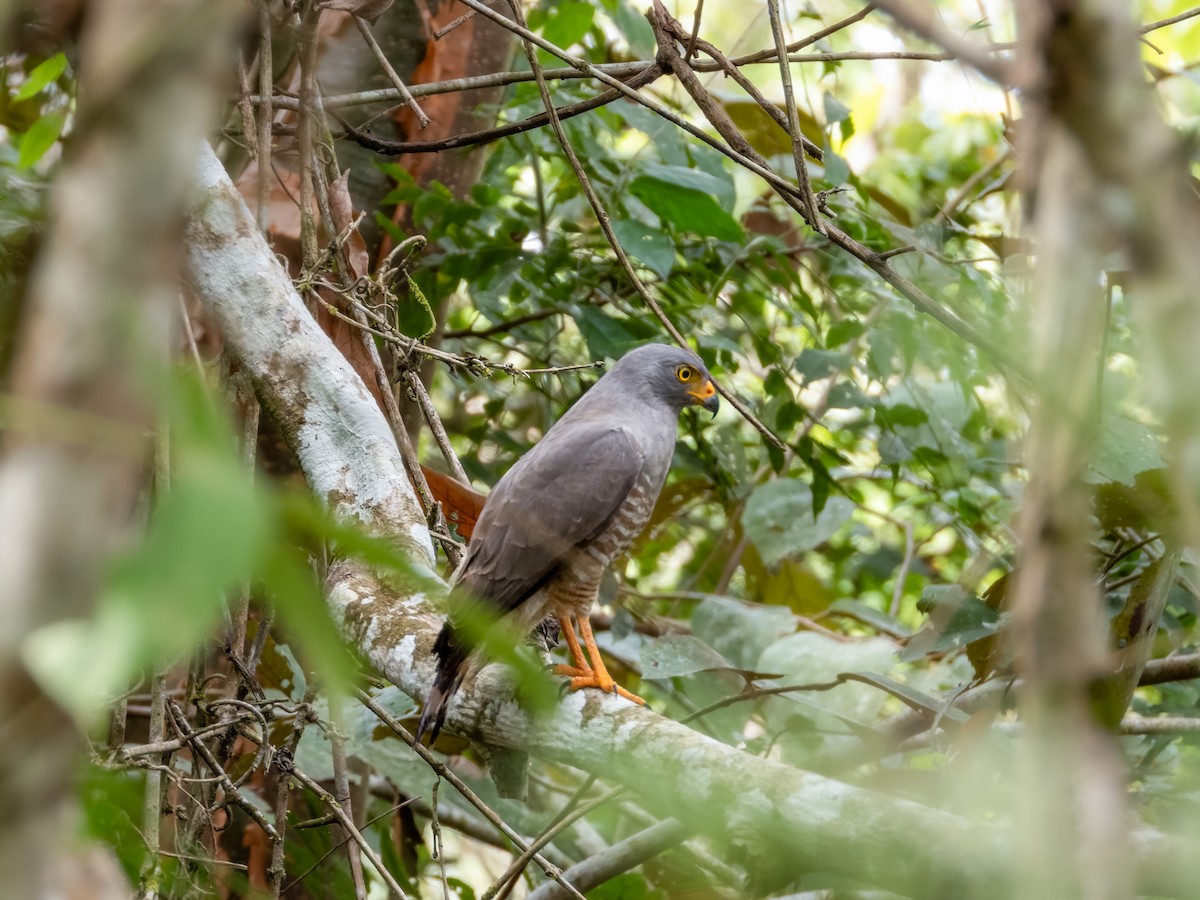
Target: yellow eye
685	373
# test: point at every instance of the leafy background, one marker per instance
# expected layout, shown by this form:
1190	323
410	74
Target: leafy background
875	547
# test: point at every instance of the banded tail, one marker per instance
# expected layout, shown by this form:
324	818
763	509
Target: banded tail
452	659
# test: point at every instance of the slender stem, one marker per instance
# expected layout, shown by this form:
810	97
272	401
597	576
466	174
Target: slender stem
429	411
471	797
365	30
793	118
348	825
266	113
283	756
518	865
341	787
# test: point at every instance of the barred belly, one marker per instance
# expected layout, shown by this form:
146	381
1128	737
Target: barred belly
574	589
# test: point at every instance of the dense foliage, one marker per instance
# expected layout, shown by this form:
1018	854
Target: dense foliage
793	601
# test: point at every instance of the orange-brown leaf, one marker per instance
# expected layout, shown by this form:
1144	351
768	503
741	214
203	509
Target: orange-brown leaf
341	209
461	504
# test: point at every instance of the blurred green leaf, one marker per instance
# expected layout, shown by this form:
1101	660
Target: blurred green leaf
779	518
568	22
43	74
649	246
956	619
740	631
686	208
1125	450
673	655
40	137
816	364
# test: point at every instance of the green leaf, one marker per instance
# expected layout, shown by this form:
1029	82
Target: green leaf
414	316
673	655
837	170
779	519
841	332
40	137
606	336
956	619
869	615
649	246
686	208
633	25
740	631
1126	449
629	886
847	396
44	73
568	22
835	110
815	364
901	415
696	179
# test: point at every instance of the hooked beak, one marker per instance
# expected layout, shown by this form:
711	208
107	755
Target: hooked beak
706	395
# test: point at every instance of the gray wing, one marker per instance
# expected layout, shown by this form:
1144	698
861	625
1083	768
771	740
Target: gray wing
558	497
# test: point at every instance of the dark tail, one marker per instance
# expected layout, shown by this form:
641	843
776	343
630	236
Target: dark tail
452	667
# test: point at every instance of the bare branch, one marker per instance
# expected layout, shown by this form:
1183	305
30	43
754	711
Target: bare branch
922	21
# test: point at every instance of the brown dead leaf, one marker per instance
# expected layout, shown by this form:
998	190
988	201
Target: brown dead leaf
348	339
461	504
341	208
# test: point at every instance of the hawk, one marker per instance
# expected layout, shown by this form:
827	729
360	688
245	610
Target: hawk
564	512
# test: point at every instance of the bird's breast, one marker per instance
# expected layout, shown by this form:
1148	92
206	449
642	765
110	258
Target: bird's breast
628	521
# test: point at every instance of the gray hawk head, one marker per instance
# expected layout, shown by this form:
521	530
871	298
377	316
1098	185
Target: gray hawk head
659	374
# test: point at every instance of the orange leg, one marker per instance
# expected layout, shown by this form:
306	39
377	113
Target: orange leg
584	674
581	667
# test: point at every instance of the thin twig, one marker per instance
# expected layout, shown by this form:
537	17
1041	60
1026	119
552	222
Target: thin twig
450	26
1154	26
180	723
266	113
435	828
518	865
309	110
501	327
765	56
434	421
921	21
793	117
617	70
470	139
190	335
152	798
341	787
348	825
170	746
282	766
471	797
245	108
910	549
691	44
364	29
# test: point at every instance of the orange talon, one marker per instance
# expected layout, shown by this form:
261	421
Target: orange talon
582	674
